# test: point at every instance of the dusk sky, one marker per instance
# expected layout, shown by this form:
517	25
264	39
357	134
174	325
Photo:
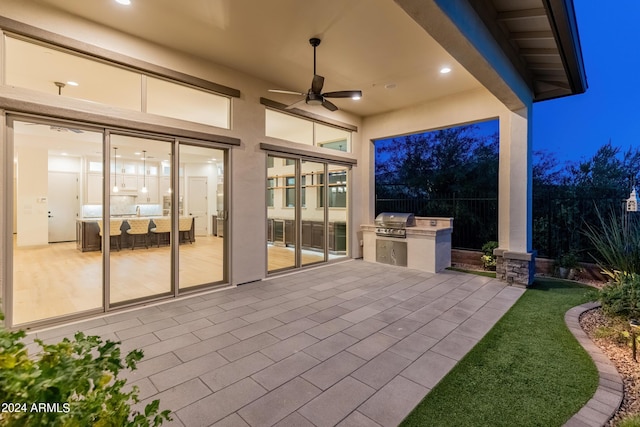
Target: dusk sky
575	127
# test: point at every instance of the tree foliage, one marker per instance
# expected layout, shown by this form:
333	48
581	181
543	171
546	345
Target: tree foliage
452	160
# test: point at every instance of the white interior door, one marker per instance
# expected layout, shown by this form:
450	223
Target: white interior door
62	206
197	203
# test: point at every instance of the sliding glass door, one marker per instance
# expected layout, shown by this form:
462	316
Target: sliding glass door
312	215
202	216
57	186
307	212
281	213
138	235
104	219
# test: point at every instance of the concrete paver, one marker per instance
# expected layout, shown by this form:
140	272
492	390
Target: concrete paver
349	344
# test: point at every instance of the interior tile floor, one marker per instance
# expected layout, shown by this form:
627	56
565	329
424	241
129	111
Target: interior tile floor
352	343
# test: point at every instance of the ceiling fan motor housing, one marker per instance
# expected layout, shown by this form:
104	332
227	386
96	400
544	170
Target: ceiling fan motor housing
314	98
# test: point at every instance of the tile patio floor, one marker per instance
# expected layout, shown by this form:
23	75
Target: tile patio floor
349	344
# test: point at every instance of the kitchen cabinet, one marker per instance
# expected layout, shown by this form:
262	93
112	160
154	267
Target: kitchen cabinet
126	183
338	237
125	167
93	187
313	234
289	232
151	169
151	196
165	185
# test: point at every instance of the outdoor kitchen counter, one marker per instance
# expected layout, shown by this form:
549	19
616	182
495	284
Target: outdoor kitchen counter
428	244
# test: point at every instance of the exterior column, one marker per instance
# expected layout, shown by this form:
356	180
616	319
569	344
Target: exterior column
515	257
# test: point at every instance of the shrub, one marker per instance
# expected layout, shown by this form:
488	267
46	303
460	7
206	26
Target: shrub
488	258
71	383
630	421
617	240
621	297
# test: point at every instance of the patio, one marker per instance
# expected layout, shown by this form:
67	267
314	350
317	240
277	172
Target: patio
353	343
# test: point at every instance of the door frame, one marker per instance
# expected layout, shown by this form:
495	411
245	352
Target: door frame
298	208
7	205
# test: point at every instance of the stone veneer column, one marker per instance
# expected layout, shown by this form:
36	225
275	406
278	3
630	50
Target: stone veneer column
515	268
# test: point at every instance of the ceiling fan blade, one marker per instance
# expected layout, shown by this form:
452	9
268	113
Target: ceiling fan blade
286	92
329	105
317	83
343	94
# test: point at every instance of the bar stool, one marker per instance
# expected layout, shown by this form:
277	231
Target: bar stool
114	232
163	226
139	231
184	227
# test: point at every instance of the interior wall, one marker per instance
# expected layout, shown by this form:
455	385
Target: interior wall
248	162
32	183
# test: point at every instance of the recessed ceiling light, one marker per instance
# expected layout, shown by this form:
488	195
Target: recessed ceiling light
390	86
445	70
64	154
72	83
124	2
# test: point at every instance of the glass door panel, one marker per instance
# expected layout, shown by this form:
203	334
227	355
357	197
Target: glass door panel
312	187
57	198
140	244
338	210
202	216
281	213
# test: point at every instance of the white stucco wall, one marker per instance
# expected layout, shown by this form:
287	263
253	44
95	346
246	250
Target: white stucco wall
247	161
462	108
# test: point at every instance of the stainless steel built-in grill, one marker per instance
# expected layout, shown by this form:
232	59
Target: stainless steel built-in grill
394	224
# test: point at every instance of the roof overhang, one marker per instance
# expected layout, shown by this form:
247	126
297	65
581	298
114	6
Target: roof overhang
540	38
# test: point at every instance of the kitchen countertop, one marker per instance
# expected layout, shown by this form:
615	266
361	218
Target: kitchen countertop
124	218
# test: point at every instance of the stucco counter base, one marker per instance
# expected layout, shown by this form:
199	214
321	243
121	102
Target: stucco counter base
428	247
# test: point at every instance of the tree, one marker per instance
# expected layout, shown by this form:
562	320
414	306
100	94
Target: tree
453	160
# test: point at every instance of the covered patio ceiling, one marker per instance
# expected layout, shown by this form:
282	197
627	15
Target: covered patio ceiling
377	46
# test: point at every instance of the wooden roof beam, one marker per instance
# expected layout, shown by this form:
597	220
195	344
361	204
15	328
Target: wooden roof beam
531	35
515	15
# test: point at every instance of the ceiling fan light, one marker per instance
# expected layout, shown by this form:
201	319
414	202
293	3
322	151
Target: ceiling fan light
356	97
314	99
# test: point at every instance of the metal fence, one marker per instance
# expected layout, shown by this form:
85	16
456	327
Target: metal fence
559	217
475	219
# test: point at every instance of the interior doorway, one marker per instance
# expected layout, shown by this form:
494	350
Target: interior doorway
197	203
63	201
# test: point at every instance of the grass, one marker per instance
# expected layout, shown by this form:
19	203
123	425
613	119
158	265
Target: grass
527	371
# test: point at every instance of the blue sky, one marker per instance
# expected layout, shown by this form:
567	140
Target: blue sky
575	127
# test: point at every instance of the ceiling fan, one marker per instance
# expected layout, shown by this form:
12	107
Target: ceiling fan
314	95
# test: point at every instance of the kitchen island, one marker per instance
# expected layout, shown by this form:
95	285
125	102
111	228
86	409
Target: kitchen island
88	237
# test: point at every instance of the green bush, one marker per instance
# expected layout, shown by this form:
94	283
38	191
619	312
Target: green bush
71	383
630	421
617	240
621	297
488	258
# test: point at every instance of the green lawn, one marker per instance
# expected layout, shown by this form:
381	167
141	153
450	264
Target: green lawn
527	371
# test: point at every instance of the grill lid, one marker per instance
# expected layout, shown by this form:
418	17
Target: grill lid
396	220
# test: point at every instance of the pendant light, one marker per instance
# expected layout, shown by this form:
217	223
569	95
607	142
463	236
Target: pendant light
115	166
144	171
